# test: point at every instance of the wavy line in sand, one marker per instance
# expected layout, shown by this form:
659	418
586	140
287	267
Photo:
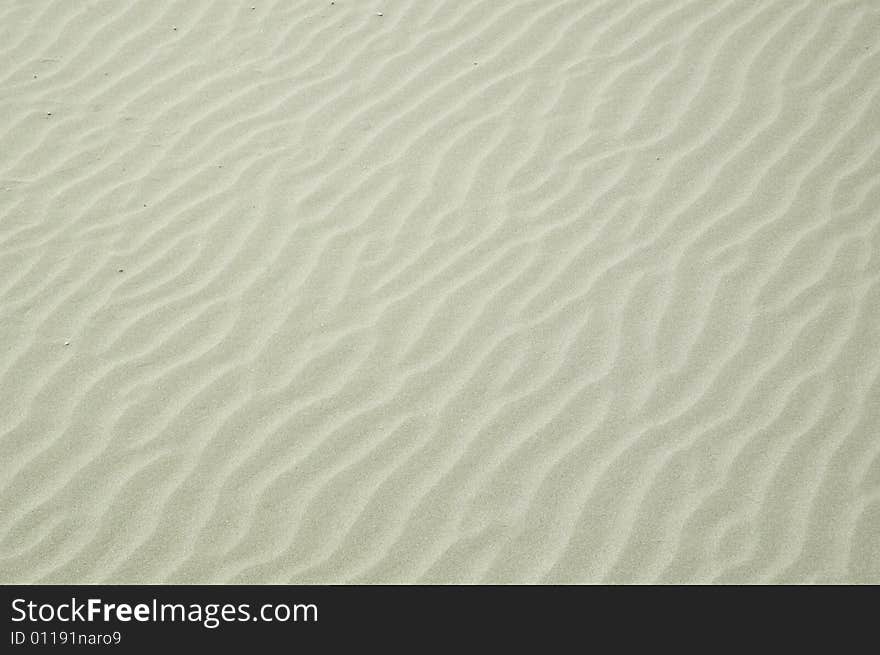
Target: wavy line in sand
471	291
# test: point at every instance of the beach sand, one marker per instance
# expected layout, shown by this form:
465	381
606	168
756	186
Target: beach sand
440	291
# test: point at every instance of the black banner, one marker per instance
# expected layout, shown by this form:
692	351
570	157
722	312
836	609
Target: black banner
139	618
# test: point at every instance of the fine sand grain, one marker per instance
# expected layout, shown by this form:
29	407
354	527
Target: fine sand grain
440	291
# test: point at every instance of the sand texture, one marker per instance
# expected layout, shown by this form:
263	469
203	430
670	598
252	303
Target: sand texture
440	291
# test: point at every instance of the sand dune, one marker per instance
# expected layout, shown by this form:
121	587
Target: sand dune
468	291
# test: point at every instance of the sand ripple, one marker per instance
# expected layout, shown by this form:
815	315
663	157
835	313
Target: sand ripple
527	291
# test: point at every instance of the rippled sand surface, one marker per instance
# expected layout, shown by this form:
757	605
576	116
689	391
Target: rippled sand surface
440	291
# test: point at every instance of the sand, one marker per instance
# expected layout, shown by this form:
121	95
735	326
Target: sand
440	291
